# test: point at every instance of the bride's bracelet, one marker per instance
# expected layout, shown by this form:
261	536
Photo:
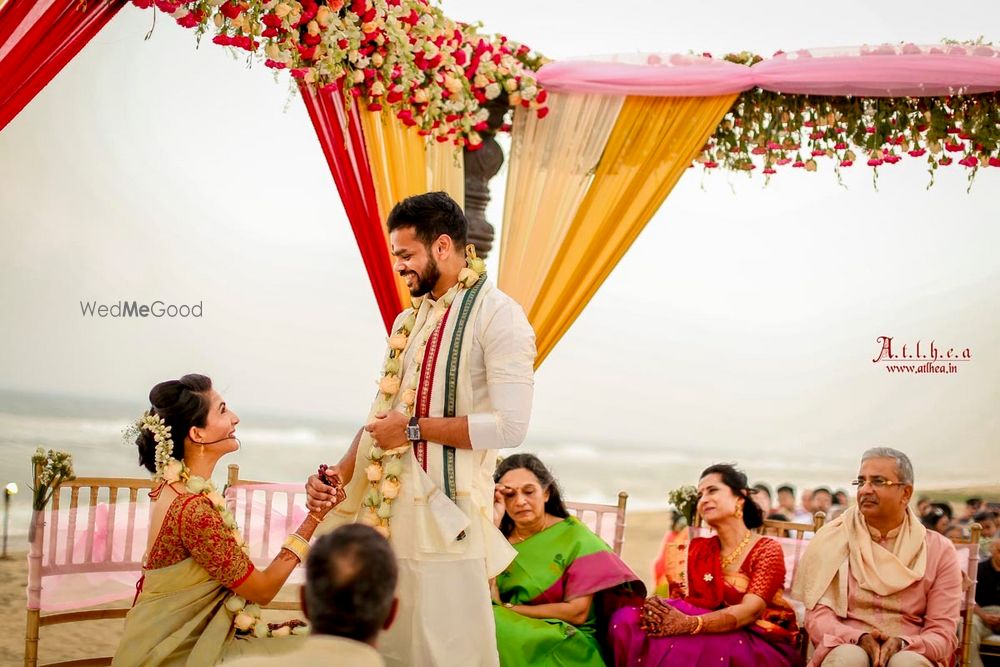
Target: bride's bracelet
699	621
297	545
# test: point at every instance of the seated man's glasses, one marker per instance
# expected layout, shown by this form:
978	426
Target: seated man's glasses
877	482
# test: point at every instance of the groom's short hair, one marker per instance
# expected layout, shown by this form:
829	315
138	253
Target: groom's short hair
350	583
431	215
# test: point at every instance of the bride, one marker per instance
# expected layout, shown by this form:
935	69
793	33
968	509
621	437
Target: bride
198	602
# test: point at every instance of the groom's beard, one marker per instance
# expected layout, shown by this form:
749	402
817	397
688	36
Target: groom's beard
426	280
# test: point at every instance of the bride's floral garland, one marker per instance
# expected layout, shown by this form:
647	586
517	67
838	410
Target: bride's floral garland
169	470
385	466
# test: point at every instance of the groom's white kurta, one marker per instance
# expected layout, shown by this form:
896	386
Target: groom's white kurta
445	616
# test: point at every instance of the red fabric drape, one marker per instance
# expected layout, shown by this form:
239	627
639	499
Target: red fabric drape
348	160
37	39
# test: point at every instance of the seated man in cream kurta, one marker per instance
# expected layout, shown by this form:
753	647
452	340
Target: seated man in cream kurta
879	588
456	386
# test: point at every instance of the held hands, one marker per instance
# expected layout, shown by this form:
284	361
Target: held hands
389	430
879	647
659	619
324	490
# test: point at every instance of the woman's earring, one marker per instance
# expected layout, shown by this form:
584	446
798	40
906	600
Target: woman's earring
739	512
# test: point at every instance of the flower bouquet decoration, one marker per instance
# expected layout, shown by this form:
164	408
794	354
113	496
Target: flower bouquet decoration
56	468
685	500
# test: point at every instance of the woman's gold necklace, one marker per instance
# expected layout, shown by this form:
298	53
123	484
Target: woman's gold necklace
737	552
520	538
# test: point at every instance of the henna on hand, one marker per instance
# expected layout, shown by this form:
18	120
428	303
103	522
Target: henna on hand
719	621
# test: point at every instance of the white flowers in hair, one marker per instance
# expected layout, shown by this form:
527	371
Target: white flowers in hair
164	444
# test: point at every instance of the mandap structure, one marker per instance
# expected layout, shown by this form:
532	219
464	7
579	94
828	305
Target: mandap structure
405	100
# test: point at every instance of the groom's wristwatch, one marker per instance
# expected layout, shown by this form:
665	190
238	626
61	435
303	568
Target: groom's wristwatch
413	430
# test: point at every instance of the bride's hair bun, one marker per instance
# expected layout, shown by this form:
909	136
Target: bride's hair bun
181	404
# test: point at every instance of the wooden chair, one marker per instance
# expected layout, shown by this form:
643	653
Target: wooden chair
793	529
774	528
47	557
968	551
583	512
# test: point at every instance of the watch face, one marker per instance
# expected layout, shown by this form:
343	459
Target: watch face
413	432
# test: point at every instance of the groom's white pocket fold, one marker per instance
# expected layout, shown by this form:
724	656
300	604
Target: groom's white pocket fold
439	521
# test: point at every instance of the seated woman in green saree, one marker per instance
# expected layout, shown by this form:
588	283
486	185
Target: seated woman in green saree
552	603
197	603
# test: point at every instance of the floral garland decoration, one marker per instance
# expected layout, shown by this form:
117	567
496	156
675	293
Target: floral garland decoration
770	130
385	466
435	73
169	470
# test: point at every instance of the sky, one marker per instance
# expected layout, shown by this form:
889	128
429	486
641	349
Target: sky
743	322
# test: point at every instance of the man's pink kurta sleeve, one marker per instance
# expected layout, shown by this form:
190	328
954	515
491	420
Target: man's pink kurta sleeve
824	625
938	638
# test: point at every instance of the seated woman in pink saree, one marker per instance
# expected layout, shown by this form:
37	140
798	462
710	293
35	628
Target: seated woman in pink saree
733	612
197	603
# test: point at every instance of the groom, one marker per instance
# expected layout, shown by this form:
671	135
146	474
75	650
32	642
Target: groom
461	363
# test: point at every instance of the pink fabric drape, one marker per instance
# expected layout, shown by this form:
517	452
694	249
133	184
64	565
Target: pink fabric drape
905	70
338	127
651	75
37	39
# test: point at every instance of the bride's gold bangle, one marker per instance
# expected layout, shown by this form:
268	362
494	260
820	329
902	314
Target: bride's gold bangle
297	545
697	628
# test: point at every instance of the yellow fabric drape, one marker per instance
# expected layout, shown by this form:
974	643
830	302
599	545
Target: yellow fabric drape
653	141
552	165
446	170
403	164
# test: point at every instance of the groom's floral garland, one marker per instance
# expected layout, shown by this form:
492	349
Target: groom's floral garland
385	466
170	471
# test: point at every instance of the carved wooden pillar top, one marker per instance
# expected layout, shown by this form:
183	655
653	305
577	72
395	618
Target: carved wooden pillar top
480	166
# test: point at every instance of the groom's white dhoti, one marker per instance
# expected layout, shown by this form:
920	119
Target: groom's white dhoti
442	520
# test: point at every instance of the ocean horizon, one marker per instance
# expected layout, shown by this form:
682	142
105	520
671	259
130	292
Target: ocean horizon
288	448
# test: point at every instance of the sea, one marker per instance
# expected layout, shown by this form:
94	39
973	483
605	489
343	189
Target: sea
288	448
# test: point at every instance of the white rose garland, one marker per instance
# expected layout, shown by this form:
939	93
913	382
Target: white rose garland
386	467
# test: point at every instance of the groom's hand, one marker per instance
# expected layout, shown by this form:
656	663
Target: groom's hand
320	496
389	429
